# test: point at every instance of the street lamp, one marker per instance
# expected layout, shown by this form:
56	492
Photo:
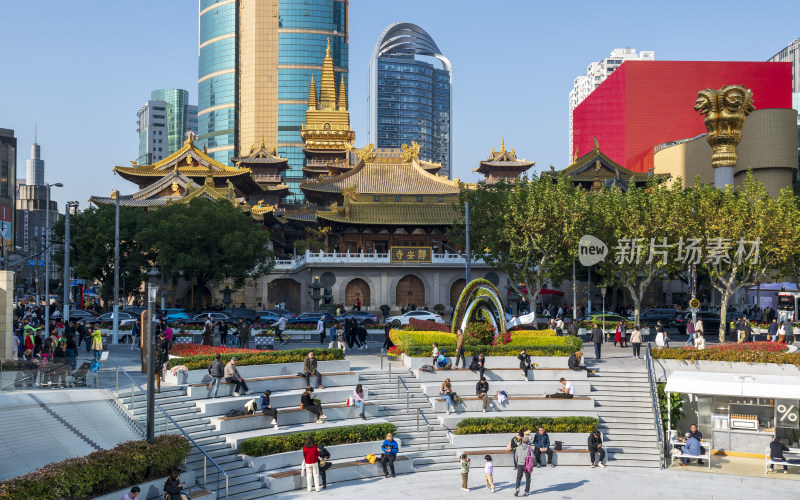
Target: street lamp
152	294
47	258
68	207
115	317
603	293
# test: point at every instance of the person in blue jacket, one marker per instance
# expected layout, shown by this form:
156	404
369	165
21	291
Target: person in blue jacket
541	444
692	447
389	449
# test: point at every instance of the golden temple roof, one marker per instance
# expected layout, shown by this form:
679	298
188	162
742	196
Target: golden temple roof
503	159
262	155
392	214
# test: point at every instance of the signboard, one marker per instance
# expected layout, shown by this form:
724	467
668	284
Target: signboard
787	414
694	304
5	229
410	255
25	232
76	282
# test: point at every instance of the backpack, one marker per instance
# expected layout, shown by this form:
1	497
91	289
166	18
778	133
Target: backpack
502	397
528	461
235	413
427	369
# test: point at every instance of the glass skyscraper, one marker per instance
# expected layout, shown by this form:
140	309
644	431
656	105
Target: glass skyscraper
257	58
410	99
163	122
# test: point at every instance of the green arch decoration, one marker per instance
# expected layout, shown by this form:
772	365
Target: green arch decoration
480	297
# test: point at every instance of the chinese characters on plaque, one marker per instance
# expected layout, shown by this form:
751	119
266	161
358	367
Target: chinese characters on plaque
405	255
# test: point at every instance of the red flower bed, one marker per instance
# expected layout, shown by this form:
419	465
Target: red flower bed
762	346
198	349
427	325
752	352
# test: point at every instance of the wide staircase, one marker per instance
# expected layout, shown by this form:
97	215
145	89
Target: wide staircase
625	409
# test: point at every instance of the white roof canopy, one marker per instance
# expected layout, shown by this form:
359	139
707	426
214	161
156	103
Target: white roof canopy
731	384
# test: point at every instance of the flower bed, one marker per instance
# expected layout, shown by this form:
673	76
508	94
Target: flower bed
426	325
752	352
199	350
514	424
256	357
101	472
270	445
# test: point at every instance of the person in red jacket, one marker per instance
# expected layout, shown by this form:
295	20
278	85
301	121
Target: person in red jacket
311	463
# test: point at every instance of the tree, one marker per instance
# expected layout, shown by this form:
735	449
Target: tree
92	247
743	233
530	228
641	226
207	241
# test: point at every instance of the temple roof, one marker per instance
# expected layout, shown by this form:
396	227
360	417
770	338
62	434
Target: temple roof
391	214
503	160
595	162
262	156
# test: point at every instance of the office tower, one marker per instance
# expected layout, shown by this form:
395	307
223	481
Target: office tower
791	53
163	122
411	94
8	176
256	59
596	73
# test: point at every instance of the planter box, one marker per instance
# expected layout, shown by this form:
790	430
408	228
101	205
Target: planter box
494	361
513	388
155	489
665	367
499	441
295	458
251	371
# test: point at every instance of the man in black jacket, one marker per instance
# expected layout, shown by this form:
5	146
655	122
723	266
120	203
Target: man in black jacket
478	364
482	391
595	448
541	444
524	362
597	340
776	449
573	327
324	463
772	331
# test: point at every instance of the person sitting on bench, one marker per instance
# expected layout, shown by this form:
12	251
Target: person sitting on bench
389	449
574	362
267	410
478	364
481	390
441	361
566	391
524	362
776	449
307	403
310	368
232	376
691	448
541	444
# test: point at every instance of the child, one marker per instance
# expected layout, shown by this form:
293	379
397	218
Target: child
464	472
488	472
435	353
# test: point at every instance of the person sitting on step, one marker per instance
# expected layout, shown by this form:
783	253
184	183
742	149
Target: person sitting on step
307	403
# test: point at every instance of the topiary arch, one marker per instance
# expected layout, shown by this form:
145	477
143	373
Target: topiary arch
479	299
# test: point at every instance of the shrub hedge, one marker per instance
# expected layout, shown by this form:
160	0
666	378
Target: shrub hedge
418	344
426	325
514	424
546	332
201	362
269	445
754	352
405	339
101	472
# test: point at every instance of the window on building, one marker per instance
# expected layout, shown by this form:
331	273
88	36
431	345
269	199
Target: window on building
398	198
4	179
374	198
419	199
440	200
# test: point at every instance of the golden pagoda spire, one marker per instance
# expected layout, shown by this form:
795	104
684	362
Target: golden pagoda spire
327	86
502	145
312	94
342	96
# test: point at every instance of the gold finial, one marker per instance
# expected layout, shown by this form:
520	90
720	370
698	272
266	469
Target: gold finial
190	138
175	187
575	155
209	181
134	163
262	143
410	153
114	194
502	145
596	185
596	144
205	148
725	112
367	153
327	86
342	96
312	94
328	48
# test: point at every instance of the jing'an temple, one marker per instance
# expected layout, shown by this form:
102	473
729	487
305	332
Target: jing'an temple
383	214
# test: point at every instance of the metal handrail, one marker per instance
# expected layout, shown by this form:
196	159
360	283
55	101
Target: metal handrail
427	425
408	393
206	456
656	404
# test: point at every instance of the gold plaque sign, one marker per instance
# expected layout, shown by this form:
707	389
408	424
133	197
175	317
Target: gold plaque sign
410	255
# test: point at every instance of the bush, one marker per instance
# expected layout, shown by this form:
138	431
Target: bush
426	325
418	344
269	445
479	333
533	333
753	352
201	362
500	425
100	472
404	339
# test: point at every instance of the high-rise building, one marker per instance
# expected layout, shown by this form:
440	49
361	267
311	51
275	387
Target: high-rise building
596	73
34	166
163	122
256	58
8	177
791	53
411	94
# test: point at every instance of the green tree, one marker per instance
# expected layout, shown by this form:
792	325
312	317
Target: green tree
641	226
92	243
530	228
742	233
206	242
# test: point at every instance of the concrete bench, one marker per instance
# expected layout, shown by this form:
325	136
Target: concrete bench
278	400
493	361
274	383
768	461
289	480
234	440
269	370
464	374
278	461
290	416
513	388
504	458
451	421
500	440
517	403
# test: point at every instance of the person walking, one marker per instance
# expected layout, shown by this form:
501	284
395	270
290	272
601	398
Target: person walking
311	463
464	462
446	394
71	350
482	391
596	450
162	357
208	331
310	368
690	332
136	331
267	410
524	362
340	341
460	349
636	342
573	328
488	473
387	341
358	400
524	466
307	403
232	376
97	341
324	464
216	370
662	340
619	335
361	333
321	329
748	330
389	448
772	330
781	336
223	333
244	333
597	339
280	326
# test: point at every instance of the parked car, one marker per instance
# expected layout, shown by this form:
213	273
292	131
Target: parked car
280	312
242	313
403	319
361	317
137	310
669	317
268	317
309	318
81	315
174	314
710	321
125	318
215	316
610	318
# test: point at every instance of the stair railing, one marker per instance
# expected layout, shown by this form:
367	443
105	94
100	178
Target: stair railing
427	424
136	388
408	393
656	404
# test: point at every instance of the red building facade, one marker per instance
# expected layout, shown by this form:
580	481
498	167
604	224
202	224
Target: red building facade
646	103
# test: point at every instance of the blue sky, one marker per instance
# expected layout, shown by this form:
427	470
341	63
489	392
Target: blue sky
81	69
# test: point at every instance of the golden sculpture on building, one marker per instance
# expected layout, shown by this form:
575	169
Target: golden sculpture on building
410	153
725	111
367	153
